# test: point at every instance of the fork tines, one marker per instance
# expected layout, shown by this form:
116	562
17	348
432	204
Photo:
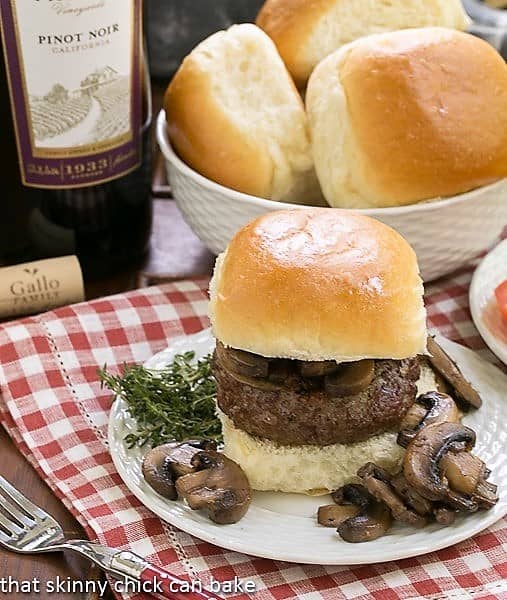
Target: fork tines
17	512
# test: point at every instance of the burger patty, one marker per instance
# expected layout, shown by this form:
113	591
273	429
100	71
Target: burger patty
296	415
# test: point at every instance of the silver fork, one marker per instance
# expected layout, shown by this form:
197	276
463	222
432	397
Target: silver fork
27	529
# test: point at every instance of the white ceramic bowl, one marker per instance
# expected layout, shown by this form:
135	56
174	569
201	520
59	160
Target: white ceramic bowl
446	234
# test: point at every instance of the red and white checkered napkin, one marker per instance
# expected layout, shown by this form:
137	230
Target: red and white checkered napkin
53	407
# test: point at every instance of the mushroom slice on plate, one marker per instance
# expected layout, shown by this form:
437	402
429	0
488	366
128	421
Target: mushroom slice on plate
422	467
333	515
157	471
412	498
444	364
180	458
413	417
421	464
372	520
428	409
352	378
462	470
164	464
467	473
486	494
444	515
377	482
218	485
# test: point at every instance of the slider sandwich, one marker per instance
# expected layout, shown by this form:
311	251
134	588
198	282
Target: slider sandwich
319	320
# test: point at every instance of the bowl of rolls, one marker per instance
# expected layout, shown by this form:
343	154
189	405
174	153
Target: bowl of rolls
388	109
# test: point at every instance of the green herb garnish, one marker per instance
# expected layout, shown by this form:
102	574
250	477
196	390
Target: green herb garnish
176	403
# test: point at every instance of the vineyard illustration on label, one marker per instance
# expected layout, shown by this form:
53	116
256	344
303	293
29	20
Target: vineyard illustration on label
97	111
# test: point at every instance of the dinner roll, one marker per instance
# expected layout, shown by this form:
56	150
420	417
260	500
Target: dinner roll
319	284
306	32
234	116
401	117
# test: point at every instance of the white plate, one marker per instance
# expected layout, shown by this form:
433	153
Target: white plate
489	275
283	526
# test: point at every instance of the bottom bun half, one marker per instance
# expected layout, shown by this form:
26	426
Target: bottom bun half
312	470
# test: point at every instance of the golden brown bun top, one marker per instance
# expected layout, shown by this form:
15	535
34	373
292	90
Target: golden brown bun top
319	284
306	31
428	112
289	24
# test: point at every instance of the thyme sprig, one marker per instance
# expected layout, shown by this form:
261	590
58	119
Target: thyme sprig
175	403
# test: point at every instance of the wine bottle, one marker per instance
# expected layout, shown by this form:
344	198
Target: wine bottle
75	113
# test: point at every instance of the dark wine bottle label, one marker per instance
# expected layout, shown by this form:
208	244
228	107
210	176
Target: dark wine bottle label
74	69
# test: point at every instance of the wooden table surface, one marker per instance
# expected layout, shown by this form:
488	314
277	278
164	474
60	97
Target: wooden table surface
175	253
